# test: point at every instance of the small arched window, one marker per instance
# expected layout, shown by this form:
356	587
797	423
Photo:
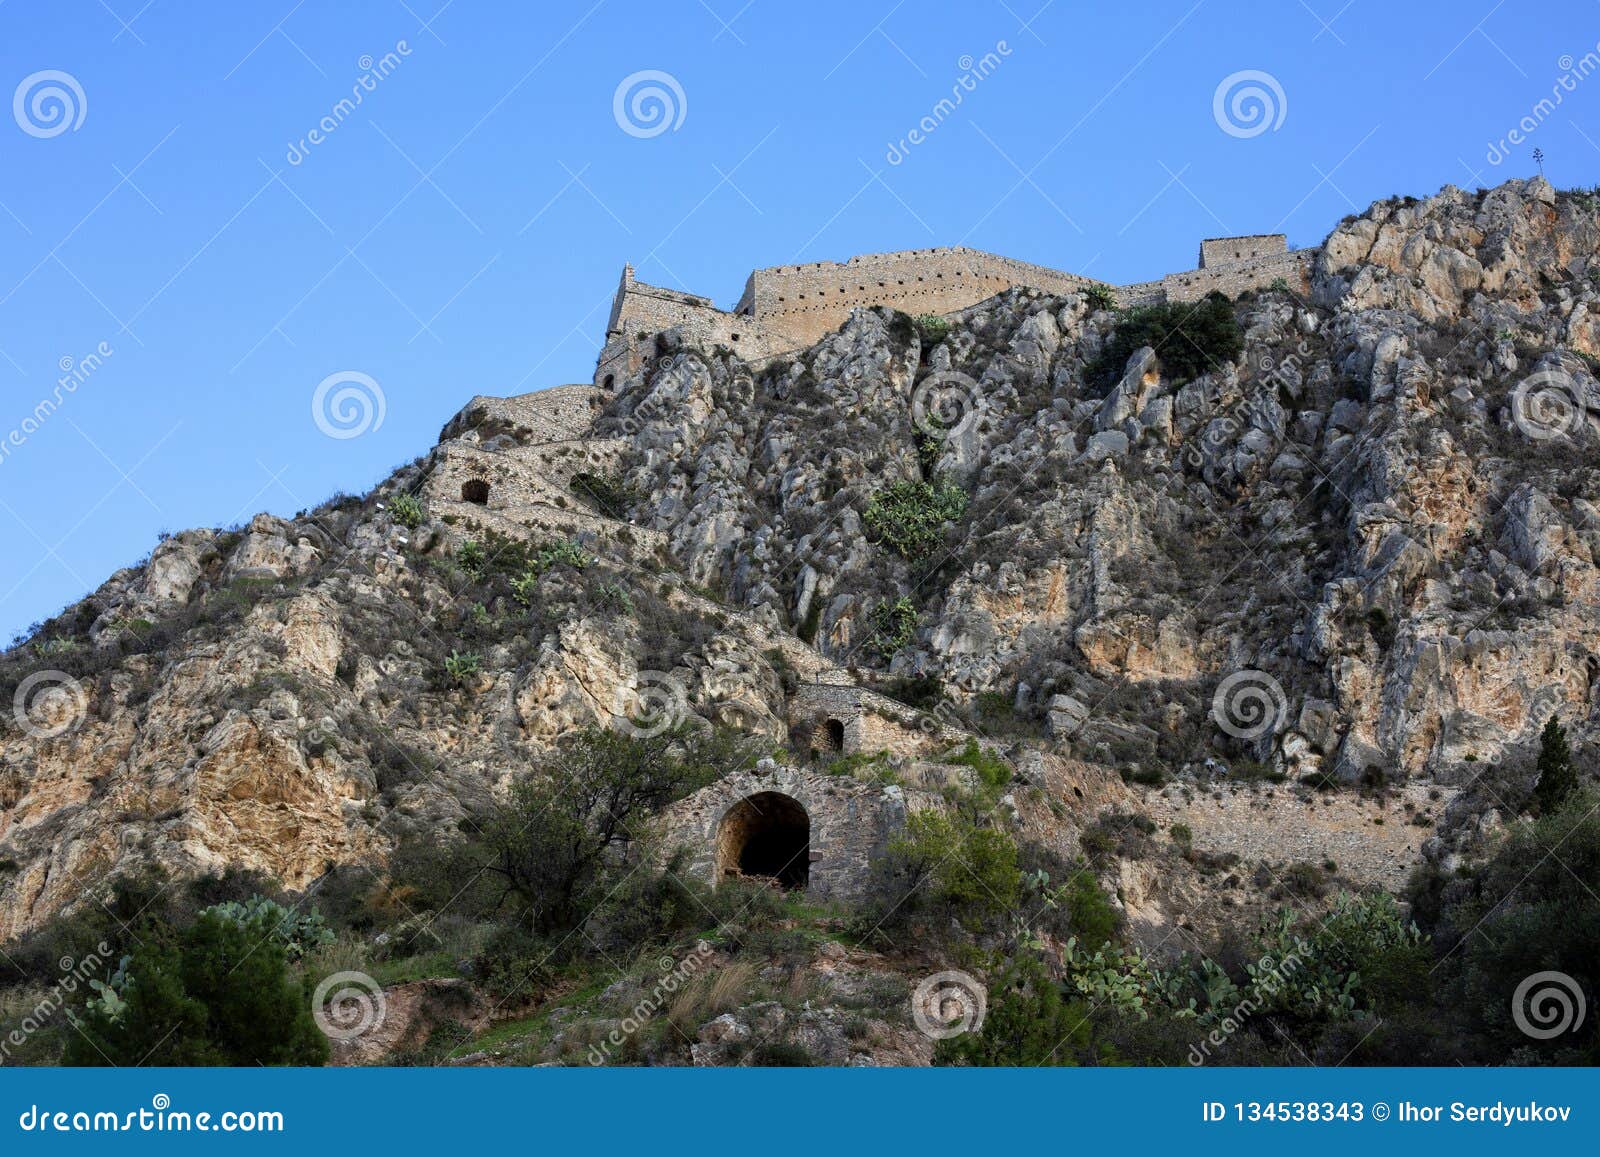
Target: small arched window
475	490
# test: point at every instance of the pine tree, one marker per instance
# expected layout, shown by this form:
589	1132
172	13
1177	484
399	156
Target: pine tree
1558	779
219	994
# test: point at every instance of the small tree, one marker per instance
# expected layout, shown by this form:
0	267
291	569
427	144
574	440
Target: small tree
221	994
565	821
1558	779
1029	1023
946	867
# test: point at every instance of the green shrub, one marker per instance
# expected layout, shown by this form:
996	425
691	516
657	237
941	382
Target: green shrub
608	492
538	563
566	551
807	630
615	594
947	868
462	668
1122	979
552	843
933	328
649	907
1191	338
514	966
779	1055
893	624
1531	908
1100	297
1303	879
524	586
472	558
1028	1023
1382	628
921	691
1094	919
1321	967
994	773
406	510
299	931
219	994
910	517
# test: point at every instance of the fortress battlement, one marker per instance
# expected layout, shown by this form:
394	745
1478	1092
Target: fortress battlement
789	307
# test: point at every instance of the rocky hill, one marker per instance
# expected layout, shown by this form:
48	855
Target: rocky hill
1270	570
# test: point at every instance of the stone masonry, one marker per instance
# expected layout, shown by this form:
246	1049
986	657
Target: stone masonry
788	307
845	824
845	718
801	304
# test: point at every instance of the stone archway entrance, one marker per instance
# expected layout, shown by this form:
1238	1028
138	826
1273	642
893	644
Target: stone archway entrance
769	835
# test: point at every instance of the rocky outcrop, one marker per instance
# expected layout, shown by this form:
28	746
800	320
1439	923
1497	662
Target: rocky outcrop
1364	549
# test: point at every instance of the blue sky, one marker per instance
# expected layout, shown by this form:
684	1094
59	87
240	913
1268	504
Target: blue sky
461	230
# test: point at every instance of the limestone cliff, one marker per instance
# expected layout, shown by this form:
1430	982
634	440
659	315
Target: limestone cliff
1363	550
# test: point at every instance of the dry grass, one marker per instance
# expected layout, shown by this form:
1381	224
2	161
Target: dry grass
349	953
17	1003
710	995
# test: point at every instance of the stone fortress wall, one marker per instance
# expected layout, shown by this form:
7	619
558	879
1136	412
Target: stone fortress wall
789	307
1215	251
805	303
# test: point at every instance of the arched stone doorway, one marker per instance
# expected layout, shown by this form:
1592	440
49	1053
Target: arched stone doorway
475	490
834	729
768	835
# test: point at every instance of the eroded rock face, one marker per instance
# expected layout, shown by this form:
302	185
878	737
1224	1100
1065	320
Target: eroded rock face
1366	547
1371	508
